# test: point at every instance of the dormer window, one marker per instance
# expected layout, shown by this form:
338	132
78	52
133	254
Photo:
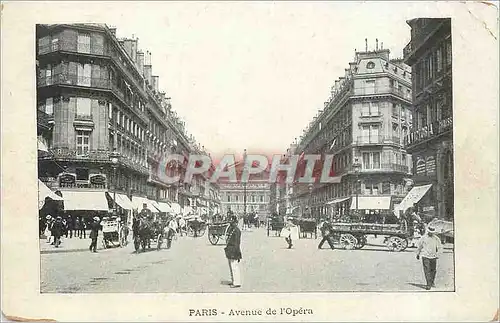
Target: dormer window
370	65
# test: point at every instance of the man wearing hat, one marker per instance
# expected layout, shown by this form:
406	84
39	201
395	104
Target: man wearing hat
94	233
429	248
57	231
233	251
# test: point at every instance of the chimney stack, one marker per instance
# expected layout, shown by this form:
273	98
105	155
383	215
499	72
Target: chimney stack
376	43
382	45
140	62
148	69
113	30
156	80
366	44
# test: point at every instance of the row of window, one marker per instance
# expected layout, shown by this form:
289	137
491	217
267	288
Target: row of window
432	111
250	198
433	64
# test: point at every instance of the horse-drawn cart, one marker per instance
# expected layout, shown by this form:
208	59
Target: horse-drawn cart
353	235
195	227
308	227
114	233
275	224
217	231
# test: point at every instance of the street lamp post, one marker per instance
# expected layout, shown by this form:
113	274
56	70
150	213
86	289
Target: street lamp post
310	199
244	184
114	158
357	168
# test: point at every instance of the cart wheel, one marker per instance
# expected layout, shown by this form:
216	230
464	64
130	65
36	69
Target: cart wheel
348	241
361	241
396	243
190	232
213	238
159	241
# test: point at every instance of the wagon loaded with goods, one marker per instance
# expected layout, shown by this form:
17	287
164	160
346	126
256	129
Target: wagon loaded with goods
217	231
353	235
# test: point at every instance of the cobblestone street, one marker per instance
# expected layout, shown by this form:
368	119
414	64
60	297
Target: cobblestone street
194	265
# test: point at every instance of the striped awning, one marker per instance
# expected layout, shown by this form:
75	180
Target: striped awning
85	200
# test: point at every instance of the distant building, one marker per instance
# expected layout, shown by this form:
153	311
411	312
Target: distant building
241	198
363	123
430	142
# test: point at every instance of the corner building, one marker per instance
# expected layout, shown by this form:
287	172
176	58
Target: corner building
430	141
96	94
363	122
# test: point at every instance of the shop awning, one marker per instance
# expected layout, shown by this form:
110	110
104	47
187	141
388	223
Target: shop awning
85	201
371	203
42	146
176	208
164	207
413	196
338	200
44	192
122	200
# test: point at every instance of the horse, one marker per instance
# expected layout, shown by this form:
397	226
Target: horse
143	233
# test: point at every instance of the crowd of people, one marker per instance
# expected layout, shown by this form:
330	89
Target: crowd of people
56	227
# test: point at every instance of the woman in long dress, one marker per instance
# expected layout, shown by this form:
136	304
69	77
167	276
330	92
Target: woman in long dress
290	232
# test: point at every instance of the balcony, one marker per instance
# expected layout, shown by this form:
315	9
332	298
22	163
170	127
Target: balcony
370	140
384	90
84	117
71	154
429	132
73	79
73	47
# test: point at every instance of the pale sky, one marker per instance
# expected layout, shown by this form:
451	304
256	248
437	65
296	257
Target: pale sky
253	75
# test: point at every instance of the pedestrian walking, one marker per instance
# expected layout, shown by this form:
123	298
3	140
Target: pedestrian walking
182	225
48	228
327	233
94	233
290	232
171	230
233	252
429	247
83	231
57	231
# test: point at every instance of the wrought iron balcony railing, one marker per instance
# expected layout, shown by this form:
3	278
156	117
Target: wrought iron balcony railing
430	131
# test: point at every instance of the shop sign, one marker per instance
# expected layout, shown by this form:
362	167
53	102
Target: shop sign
67	179
420	166
98	179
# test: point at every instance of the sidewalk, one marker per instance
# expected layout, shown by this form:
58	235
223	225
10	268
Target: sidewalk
69	245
